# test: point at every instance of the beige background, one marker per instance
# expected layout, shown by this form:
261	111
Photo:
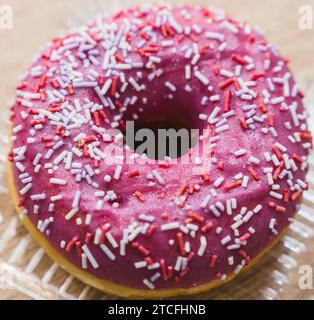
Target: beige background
35	21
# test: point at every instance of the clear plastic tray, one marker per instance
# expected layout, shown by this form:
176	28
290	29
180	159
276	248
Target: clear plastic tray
27	272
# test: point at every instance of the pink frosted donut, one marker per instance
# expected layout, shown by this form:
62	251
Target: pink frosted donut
156	228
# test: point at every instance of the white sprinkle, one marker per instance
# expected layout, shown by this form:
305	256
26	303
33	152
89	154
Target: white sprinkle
170	86
149	284
240	152
253	160
111	239
245	181
187	72
281	147
267	156
135	233
140	264
222	128
225	240
178	264
76	199
117	172
37	197
214	210
58	181
56	197
257	208
301	183
26	189
167	43
146	217
84	261
275	195
37	158
203	246
277	100
214	98
158	177
270	178
71	213
205	201
106	87
286	161
201	77
60	157
169	226
228	207
213	114
272	223
90	256
20	166
248	216
107	252
226	73
275	160
17	128
135	85
218	182
215	35
68	160
99	205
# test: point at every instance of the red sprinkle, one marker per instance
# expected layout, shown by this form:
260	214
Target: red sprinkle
213	260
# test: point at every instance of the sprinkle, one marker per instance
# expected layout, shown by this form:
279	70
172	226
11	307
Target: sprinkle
202	247
71	213
218	181
245	181
214	210
257	208
213	114
205	201
149	284
187	72
106	87
275	195
117	172
240	152
225	240
26	189
213	260
215	36
146	217
158	177
107	252
201	77
253	160
58	181
37	197
140	264
90	257
76	199
169	226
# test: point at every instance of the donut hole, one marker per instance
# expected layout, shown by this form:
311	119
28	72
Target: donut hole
162	129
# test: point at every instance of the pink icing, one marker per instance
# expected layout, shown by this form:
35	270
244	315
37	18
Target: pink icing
189	28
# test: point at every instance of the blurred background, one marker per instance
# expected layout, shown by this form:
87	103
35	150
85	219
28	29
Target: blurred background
25	272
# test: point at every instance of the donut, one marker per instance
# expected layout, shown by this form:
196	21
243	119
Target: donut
139	227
